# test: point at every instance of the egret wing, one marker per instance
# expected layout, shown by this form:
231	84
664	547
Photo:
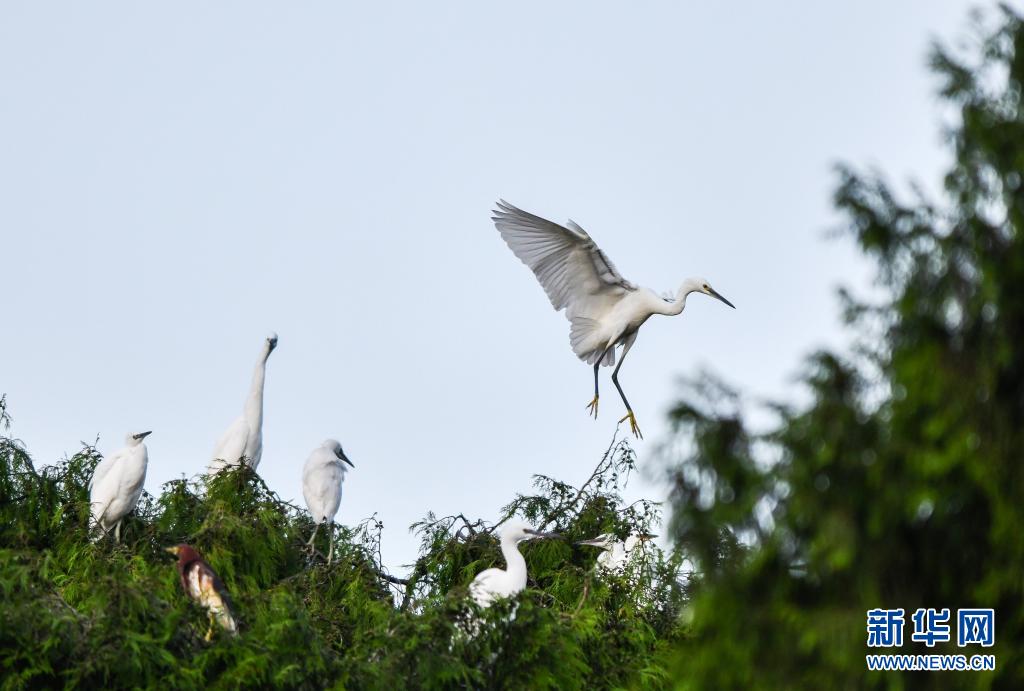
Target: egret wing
231	446
321	487
568	263
103	468
103	486
486	587
133	477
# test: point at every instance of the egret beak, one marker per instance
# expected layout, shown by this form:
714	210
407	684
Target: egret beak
142	435
539	534
715	294
647	536
171	550
595	542
341	456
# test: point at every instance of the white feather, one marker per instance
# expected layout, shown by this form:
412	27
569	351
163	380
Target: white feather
322	480
491	584
605	310
244	437
572	269
117	483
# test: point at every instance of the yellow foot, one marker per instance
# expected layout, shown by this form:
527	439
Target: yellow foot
592	407
632	424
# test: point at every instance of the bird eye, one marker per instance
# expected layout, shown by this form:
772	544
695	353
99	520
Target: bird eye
707	287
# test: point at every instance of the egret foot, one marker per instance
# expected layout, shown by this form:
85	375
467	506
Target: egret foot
635	428
312	537
592	407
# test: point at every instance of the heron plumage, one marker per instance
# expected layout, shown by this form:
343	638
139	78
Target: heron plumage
605	310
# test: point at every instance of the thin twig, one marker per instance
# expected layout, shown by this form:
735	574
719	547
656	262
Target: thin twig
598	469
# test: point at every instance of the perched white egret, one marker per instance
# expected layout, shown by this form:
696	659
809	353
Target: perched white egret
116	484
322	477
244	438
491	584
604	309
615	554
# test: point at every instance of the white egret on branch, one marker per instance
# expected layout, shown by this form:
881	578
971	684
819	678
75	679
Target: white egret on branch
322	477
491	584
615	553
244	438
116	484
604	309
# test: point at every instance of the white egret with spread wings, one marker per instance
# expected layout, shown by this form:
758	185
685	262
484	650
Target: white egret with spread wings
604	309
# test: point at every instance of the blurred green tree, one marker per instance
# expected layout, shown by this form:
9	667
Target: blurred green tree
901	482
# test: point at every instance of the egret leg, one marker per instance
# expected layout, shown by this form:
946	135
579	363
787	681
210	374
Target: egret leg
330	551
117	532
313	536
209	631
592	406
635	428
103	530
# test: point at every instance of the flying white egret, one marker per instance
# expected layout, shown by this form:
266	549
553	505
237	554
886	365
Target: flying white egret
322	477
116	484
244	438
491	584
604	309
615	553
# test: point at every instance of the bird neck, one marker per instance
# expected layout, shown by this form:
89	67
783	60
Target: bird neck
515	564
254	403
679	304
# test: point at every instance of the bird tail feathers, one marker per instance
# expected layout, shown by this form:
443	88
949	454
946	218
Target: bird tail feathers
584	336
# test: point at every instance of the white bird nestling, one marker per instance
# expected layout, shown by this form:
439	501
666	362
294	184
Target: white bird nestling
491	584
615	553
244	438
604	309
116	484
322	478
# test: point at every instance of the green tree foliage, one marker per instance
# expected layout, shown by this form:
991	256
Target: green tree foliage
75	611
901	482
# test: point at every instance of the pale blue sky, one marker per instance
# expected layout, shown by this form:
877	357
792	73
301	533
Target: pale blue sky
179	180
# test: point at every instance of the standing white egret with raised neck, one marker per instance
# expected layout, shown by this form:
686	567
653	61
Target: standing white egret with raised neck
244	438
604	309
116	484
491	584
322	478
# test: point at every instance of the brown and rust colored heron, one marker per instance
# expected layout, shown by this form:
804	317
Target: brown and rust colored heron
202	584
